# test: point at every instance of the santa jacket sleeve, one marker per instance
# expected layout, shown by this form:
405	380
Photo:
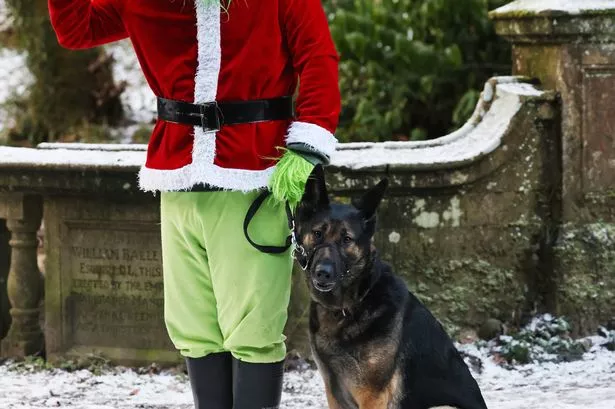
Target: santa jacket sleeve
83	24
315	59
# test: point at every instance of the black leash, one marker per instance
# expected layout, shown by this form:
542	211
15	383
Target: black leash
290	240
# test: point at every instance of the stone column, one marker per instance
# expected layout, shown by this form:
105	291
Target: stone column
570	47
25	282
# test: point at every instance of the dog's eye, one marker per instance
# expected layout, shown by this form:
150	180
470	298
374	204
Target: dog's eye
317	234
347	240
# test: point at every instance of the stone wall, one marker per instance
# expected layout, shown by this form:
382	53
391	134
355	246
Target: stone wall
570	48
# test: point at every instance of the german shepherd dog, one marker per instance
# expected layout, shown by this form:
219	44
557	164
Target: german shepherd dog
375	344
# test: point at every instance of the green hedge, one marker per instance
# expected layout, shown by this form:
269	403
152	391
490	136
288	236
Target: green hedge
412	69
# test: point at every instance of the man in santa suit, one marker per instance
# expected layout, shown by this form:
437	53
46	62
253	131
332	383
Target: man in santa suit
224	74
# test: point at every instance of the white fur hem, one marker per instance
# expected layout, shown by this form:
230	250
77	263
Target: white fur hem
314	136
152	180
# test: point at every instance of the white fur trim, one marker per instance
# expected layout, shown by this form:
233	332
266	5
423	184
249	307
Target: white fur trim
207	72
314	136
151	180
203	170
209	51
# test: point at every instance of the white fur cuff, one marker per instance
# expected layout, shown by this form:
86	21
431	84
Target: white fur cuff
314	136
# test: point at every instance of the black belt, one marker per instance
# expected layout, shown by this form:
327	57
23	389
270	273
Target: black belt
212	115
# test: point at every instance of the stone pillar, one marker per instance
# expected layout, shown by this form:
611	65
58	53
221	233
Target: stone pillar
25	282
570	47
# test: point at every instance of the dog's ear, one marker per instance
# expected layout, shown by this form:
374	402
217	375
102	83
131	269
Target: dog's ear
315	197
369	202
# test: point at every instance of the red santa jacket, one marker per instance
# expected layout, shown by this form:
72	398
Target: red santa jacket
193	51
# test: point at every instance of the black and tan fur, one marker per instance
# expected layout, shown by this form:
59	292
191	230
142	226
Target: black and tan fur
376	345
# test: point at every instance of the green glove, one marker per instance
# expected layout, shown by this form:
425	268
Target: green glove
288	181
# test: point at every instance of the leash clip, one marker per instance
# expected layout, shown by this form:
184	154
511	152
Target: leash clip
298	248
301	251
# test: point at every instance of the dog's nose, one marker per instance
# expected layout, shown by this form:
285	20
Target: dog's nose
325	272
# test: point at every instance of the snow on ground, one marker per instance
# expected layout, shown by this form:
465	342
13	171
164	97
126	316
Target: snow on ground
584	384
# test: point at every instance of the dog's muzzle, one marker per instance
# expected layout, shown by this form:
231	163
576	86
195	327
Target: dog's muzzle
324	277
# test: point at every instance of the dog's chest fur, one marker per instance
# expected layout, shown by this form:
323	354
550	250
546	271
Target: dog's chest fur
360	353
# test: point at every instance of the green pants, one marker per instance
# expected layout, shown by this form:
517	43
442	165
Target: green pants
221	294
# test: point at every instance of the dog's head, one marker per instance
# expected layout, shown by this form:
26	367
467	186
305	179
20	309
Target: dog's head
337	240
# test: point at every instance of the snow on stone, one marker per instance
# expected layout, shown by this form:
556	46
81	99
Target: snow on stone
110	147
588	384
520	89
70	158
567	6
474	140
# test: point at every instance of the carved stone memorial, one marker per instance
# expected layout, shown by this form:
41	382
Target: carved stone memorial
104	282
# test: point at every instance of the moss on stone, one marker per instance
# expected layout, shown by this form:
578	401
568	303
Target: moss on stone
586	275
538	61
546	13
468	291
600	12
512	14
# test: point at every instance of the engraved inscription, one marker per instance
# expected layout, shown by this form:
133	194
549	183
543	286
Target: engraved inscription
116	288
